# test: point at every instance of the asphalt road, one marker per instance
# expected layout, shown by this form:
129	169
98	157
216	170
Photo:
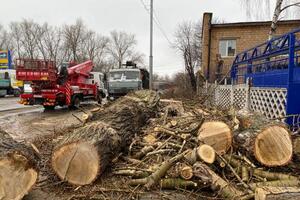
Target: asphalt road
9	106
28	122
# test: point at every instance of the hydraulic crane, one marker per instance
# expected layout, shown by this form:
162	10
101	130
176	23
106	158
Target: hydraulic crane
49	88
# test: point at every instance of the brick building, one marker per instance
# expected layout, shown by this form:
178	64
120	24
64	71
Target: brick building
221	42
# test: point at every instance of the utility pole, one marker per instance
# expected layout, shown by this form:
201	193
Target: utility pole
151	46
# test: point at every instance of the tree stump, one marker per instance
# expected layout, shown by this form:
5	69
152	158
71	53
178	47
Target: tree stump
82	155
217	135
18	168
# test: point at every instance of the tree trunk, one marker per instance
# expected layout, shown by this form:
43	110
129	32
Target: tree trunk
275	18
81	156
277	193
18	168
217	135
268	141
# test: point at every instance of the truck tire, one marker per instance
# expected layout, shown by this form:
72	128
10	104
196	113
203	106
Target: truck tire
17	93
75	102
49	107
99	99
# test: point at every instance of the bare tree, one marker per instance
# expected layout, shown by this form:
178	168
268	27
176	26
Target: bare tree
16	36
260	9
138	58
29	30
188	43
5	39
121	46
94	46
73	38
70	42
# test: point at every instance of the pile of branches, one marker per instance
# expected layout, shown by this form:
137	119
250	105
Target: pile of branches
142	145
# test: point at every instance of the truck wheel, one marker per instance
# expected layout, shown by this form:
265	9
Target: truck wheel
17	93
49	107
75	103
100	99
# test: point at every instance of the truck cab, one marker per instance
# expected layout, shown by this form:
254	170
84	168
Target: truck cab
122	81
9	85
98	78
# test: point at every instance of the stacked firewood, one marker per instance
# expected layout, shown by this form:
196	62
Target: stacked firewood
168	145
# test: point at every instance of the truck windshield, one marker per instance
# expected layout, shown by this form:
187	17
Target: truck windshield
4	75
115	75
125	75
131	75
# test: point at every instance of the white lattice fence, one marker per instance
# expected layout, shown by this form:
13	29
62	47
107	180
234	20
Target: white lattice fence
269	101
236	96
241	96
223	96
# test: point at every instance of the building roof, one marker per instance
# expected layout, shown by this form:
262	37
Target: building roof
259	23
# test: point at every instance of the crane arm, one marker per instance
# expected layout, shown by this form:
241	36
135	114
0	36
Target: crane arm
82	69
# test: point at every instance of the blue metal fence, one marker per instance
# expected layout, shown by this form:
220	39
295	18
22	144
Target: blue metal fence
275	63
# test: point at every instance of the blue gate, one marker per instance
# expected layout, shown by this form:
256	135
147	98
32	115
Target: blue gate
273	64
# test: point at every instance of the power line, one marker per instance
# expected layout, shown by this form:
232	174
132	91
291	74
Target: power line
156	21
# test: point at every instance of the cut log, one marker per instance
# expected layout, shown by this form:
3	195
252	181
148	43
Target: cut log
296	148
216	134
203	153
85	153
18	168
277	193
226	189
268	141
186	172
81	156
271	145
279	183
206	153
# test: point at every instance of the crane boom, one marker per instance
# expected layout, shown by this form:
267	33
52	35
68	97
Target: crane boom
79	73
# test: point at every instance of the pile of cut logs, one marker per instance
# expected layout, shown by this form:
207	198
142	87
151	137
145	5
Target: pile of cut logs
165	145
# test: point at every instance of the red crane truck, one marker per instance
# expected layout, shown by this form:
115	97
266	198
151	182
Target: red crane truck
50	88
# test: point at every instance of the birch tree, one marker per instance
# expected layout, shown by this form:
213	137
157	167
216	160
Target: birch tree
260	9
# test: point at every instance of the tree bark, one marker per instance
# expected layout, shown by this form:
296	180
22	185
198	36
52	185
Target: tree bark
277	193
276	15
18	168
268	141
82	155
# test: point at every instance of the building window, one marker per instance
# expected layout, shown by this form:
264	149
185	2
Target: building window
227	48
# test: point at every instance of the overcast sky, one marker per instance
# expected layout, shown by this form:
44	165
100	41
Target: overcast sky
104	16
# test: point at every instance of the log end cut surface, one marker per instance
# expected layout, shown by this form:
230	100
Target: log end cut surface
76	163
207	153
15	178
216	134
273	146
